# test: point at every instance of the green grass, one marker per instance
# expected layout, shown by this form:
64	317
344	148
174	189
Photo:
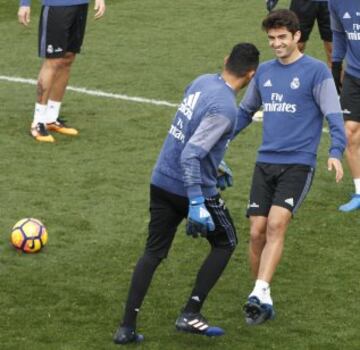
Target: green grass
92	194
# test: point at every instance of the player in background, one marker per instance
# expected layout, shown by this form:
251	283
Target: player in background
345	23
309	11
61	33
183	184
296	92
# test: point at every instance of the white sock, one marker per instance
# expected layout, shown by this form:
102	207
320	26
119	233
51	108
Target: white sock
53	111
262	291
357	186
39	114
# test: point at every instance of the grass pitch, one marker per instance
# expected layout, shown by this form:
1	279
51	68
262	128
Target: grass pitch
92	194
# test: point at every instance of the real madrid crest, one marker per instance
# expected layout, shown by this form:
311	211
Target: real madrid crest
295	84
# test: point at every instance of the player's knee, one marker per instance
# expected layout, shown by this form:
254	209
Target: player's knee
229	247
69	58
257	235
353	142
275	230
153	259
60	63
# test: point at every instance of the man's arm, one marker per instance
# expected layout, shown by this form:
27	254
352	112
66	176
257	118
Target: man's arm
248	106
24	12
207	134
326	97
99	8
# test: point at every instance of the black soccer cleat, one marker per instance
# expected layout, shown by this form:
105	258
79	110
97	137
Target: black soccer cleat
197	324
126	335
256	312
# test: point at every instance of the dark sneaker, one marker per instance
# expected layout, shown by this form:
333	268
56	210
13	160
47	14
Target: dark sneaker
125	335
39	133
257	313
197	324
60	126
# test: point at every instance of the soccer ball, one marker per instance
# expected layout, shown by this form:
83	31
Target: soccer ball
29	235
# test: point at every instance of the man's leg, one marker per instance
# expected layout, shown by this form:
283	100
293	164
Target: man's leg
56	96
306	12
223	242
257	242
47	77
140	282
209	273
350	103
278	221
323	20
328	52
166	212
62	77
352	153
259	306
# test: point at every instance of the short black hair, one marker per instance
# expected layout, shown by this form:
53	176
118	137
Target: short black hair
281	18
243	58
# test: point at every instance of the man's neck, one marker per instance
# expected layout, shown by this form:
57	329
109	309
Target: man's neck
231	81
295	55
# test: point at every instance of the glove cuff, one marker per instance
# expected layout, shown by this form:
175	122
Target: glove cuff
197	200
194	191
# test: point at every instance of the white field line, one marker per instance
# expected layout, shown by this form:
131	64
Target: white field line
97	93
257	117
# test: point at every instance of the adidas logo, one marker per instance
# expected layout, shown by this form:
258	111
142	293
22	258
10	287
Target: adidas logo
196	298
254	205
203	213
198	324
290	201
188	104
267	83
346	15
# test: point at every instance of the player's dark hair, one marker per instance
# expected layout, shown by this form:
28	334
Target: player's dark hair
281	18
243	58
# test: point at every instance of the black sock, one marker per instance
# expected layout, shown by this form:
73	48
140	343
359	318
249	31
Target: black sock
140	283
209	273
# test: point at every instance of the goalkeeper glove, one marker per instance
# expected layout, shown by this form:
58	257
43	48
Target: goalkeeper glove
336	68
199	219
225	176
270	4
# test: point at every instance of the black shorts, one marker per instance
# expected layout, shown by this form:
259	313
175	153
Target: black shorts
167	210
308	11
283	185
350	98
61	30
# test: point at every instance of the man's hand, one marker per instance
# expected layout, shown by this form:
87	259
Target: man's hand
199	219
334	163
24	15
99	8
225	176
336	69
270	4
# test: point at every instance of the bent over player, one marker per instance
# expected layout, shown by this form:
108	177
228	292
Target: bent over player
61	33
296	92
183	184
